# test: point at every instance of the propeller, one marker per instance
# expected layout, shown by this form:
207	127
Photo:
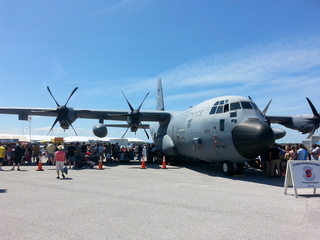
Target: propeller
316	118
62	111
134	117
266	108
264	111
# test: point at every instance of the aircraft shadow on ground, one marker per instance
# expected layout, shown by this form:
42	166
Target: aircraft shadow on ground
249	174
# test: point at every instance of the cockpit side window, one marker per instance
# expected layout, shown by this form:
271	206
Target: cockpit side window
213	110
221	106
226	108
220	109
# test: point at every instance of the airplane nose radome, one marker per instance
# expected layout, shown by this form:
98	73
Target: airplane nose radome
252	137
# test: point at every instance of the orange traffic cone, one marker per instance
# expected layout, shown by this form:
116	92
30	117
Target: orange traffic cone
40	165
100	167
143	163
164	164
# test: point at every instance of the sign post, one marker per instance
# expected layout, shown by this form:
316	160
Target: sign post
302	174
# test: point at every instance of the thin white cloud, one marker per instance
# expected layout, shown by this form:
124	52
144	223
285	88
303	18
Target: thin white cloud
252	65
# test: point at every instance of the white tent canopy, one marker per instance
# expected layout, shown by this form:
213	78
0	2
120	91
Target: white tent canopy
45	138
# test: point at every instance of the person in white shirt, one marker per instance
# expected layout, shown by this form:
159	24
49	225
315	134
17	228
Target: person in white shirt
314	152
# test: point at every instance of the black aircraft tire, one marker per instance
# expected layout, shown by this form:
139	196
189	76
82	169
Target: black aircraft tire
240	168
227	168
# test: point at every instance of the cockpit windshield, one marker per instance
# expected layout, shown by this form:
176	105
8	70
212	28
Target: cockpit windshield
223	106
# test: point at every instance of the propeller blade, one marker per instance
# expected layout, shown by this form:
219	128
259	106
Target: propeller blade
55	122
53	96
74	130
131	108
266	108
74	90
312	132
144	130
125	132
71	125
143	101
316	118
314	110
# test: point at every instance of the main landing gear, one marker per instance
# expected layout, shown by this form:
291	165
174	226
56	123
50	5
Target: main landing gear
230	168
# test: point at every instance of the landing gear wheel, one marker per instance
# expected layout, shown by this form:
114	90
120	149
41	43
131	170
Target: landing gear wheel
227	168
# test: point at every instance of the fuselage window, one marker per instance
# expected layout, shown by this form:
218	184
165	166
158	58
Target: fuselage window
235	106
222	128
254	106
213	110
226	108
189	123
220	109
246	105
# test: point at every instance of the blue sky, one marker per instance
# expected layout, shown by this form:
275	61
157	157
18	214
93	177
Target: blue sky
267	49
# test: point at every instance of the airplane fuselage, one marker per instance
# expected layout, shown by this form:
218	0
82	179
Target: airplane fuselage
228	128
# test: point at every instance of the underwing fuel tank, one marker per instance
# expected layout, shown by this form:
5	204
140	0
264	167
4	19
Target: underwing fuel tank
252	137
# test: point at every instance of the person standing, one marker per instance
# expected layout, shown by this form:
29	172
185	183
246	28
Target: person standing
77	155
108	152
2	155
71	153
18	154
302	153
51	149
275	156
314	152
83	150
60	159
35	152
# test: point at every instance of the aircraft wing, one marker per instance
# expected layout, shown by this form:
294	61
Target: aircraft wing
279	119
118	115
121	115
23	113
305	123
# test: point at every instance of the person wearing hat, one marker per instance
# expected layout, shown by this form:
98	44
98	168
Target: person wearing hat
60	159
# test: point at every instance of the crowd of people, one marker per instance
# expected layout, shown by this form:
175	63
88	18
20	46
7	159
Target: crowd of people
77	155
274	161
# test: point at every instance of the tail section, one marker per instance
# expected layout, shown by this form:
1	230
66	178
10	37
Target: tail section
160	103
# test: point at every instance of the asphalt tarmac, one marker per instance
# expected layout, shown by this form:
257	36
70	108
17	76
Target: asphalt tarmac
123	201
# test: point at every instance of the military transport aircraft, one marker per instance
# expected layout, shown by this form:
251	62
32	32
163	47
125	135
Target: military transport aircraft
227	129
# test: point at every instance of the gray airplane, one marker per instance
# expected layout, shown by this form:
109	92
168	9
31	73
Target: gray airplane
228	129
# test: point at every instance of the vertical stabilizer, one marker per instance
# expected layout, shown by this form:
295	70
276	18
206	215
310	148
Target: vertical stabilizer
160	103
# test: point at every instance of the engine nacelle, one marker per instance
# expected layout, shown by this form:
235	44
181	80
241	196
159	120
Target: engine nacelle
302	124
279	133
168	146
100	130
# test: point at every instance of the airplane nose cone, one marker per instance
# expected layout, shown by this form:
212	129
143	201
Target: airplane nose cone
252	137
